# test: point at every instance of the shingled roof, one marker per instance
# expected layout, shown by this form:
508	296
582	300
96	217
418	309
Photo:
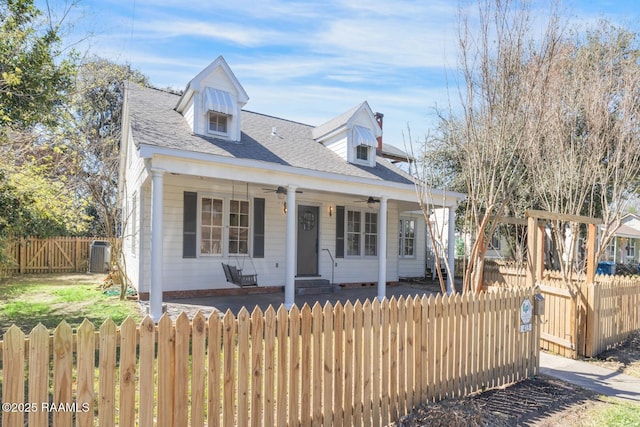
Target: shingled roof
154	122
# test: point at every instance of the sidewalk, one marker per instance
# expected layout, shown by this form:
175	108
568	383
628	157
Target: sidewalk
592	377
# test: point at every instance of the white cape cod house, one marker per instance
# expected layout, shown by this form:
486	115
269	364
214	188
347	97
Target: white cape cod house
205	183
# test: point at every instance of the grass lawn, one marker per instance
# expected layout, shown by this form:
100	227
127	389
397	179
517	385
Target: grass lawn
617	413
50	299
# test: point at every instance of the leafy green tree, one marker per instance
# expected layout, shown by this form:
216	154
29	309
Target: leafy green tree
34	75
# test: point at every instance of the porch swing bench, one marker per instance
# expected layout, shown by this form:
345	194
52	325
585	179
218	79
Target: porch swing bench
235	276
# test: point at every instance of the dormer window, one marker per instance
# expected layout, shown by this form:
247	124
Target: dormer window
220	108
217	123
212	102
362	152
363	144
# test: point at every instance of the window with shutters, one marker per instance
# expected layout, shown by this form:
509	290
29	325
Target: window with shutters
361	233
219	226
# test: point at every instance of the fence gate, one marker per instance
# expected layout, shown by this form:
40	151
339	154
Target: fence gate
564	310
50	255
558	331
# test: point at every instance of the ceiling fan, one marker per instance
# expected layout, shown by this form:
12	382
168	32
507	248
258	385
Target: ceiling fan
370	201
280	191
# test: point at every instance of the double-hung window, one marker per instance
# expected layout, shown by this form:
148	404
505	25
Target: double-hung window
211	226
219	226
362	233
362	152
370	234
353	233
239	227
407	238
217	123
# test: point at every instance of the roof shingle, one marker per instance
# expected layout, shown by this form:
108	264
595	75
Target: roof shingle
154	122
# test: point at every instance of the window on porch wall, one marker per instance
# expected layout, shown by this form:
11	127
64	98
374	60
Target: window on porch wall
353	233
406	237
370	234
211	226
359	237
239	227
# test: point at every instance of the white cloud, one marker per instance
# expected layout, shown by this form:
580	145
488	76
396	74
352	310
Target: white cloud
229	32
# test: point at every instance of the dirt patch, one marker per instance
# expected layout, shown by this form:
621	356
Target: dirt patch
624	358
542	401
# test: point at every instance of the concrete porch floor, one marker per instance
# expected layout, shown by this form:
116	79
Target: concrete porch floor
221	304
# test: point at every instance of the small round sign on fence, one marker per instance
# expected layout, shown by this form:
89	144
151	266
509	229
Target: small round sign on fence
526	314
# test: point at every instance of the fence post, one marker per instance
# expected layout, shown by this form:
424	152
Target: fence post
588	290
22	250
532	242
591	253
584	328
76	256
49	244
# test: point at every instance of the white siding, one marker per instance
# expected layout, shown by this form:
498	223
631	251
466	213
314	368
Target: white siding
205	271
133	177
189	114
338	145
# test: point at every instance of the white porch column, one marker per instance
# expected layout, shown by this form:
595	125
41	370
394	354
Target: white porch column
382	250
290	249
155	288
451	248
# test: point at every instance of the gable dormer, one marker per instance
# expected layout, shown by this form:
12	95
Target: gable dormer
212	101
352	135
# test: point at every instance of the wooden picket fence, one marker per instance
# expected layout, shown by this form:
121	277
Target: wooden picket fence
51	255
356	364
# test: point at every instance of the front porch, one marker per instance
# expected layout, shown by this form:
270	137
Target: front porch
283	234
274	297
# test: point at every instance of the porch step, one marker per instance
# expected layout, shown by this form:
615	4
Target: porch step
313	286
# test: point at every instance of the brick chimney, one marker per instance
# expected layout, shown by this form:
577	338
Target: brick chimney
379	117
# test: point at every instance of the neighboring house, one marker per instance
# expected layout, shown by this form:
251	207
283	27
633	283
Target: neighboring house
623	248
205	182
497	247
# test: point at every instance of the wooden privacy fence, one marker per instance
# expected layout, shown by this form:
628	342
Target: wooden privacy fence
612	312
591	319
354	364
51	255
503	273
583	322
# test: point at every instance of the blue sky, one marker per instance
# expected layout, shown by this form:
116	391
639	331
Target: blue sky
306	61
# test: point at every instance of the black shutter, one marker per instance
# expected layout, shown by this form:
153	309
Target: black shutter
190	225
339	231
258	228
